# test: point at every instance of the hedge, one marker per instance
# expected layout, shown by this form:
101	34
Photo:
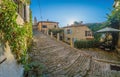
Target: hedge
85	44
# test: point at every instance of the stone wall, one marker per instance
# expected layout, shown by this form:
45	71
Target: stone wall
8	64
48	24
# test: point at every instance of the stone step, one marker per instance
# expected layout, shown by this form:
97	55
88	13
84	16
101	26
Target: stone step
101	69
78	66
61	63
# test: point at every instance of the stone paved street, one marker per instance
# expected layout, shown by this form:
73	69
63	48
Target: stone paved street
60	60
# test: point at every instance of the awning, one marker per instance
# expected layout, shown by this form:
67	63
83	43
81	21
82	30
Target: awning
108	29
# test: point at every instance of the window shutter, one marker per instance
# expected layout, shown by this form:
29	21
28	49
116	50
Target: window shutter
25	16
65	31
70	31
85	33
74	39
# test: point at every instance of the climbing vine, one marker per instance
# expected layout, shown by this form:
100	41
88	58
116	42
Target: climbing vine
26	1
18	36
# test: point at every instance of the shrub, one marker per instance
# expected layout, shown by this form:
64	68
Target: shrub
85	44
55	31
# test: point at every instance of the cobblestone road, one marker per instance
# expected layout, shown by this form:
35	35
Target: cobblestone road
60	60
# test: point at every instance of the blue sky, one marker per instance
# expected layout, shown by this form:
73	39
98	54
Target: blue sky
67	11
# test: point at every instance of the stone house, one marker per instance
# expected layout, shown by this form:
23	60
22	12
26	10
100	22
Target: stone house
77	32
44	26
8	63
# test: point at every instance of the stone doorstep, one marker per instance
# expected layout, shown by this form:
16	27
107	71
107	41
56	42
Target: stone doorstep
106	61
42	48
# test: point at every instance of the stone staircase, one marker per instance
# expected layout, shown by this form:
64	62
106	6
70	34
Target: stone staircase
81	66
60	60
100	69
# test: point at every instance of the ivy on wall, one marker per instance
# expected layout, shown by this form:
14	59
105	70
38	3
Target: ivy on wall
26	1
18	36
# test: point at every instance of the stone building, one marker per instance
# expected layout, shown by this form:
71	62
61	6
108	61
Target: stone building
77	32
44	26
23	11
8	64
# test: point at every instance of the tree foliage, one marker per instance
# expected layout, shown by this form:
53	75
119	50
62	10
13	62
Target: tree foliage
97	26
55	31
77	23
114	20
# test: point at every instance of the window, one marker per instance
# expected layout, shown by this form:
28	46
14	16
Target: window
69	31
88	33
25	17
17	3
55	26
68	39
44	26
18	7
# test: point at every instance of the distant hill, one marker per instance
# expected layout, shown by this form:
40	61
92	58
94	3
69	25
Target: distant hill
96	26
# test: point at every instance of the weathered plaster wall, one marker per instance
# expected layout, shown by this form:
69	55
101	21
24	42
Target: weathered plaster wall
19	20
9	68
50	25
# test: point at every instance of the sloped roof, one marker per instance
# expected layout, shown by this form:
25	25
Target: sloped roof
47	22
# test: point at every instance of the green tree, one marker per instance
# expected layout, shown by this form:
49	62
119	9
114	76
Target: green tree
114	22
77	23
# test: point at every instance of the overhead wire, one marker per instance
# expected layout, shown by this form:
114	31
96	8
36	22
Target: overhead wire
40	10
